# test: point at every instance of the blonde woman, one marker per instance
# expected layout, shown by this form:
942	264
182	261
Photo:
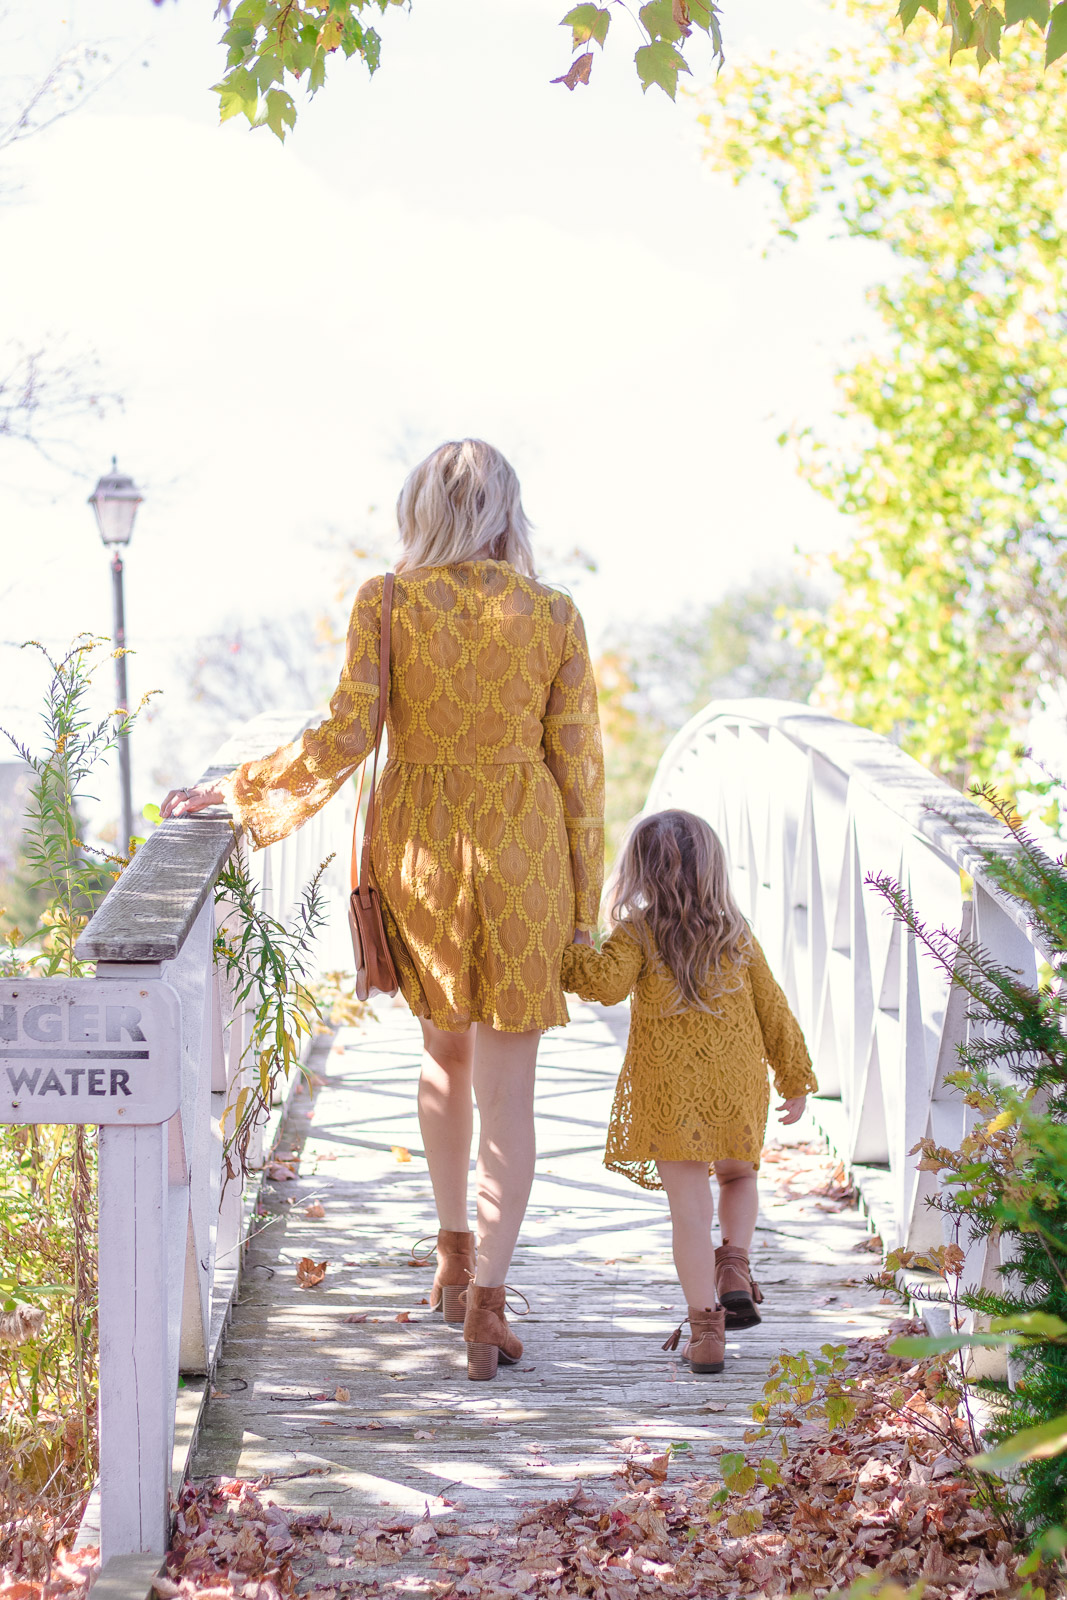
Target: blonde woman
488	847
692	1097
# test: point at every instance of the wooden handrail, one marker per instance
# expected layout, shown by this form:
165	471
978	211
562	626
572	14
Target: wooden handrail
147	916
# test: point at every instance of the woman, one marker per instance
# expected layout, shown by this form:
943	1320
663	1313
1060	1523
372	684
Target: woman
488	848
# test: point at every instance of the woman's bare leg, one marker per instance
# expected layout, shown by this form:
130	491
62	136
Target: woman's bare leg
504	1065
446	1118
738	1201
688	1189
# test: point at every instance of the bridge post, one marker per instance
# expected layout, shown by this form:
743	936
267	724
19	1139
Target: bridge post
136	1412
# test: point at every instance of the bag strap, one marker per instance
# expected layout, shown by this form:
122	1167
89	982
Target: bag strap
361	864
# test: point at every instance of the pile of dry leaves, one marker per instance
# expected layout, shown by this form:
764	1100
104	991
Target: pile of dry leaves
883	1494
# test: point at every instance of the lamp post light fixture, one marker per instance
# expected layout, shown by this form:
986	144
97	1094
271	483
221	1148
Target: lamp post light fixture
115	500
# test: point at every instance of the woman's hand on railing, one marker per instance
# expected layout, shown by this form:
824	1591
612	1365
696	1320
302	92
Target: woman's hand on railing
187	802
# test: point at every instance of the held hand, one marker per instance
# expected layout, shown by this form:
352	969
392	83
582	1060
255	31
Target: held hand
187	802
582	938
792	1110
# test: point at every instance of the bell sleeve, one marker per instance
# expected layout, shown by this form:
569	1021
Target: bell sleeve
607	974
575	757
278	794
783	1041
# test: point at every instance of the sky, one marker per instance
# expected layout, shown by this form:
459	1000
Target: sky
455	247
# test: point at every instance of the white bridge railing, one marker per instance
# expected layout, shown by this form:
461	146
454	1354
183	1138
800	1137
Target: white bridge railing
170	1231
807	807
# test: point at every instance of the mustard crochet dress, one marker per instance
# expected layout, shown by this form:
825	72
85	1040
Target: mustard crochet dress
489	840
693	1085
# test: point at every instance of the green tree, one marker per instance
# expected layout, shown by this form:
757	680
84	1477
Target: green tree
952	453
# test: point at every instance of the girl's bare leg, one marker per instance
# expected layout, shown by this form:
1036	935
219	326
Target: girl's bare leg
688	1189
504	1065
446	1118
738	1201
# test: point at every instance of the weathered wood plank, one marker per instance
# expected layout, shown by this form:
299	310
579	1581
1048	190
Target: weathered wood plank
147	915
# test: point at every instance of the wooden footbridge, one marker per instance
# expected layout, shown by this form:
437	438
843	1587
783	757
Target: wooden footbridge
345	1390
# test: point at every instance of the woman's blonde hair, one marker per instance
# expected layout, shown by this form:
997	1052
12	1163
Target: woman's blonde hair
461	498
671	885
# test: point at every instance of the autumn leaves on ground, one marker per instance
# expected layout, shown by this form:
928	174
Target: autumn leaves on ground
854	1471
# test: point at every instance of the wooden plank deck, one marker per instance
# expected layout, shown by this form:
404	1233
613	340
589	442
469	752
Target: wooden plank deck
594	1260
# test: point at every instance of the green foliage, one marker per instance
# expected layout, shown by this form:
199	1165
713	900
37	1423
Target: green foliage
55	863
979	27
268	965
951	449
804	1388
274	44
48	1174
1009	1176
665	27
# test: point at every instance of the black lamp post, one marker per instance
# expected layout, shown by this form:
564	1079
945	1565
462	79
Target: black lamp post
115	500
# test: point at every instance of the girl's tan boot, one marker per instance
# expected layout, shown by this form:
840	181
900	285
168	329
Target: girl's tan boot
486	1333
738	1292
705	1349
455	1269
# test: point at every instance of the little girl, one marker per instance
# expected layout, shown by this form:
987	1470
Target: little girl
693	1095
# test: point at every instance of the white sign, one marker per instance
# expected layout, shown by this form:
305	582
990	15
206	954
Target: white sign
89	1050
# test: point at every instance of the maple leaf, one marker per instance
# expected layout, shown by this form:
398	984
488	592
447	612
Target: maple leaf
579	72
309	1273
315	1209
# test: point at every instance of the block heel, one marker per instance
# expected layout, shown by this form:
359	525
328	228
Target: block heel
488	1338
482	1362
452	1306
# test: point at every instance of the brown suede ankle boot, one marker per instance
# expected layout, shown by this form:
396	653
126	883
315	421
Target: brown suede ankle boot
739	1294
486	1332
705	1349
455	1270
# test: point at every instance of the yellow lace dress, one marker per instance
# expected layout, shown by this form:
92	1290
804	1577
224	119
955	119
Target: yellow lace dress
489	838
693	1085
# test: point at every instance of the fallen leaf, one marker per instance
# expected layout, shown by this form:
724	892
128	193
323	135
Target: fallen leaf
403	1316
400	1153
315	1209
309	1273
425	1433
357	1316
277	1172
342	1396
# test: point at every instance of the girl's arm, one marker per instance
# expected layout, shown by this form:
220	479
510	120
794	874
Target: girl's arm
274	796
782	1038
575	758
607	974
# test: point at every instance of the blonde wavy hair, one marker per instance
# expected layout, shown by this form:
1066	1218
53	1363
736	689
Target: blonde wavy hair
462	498
671	885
